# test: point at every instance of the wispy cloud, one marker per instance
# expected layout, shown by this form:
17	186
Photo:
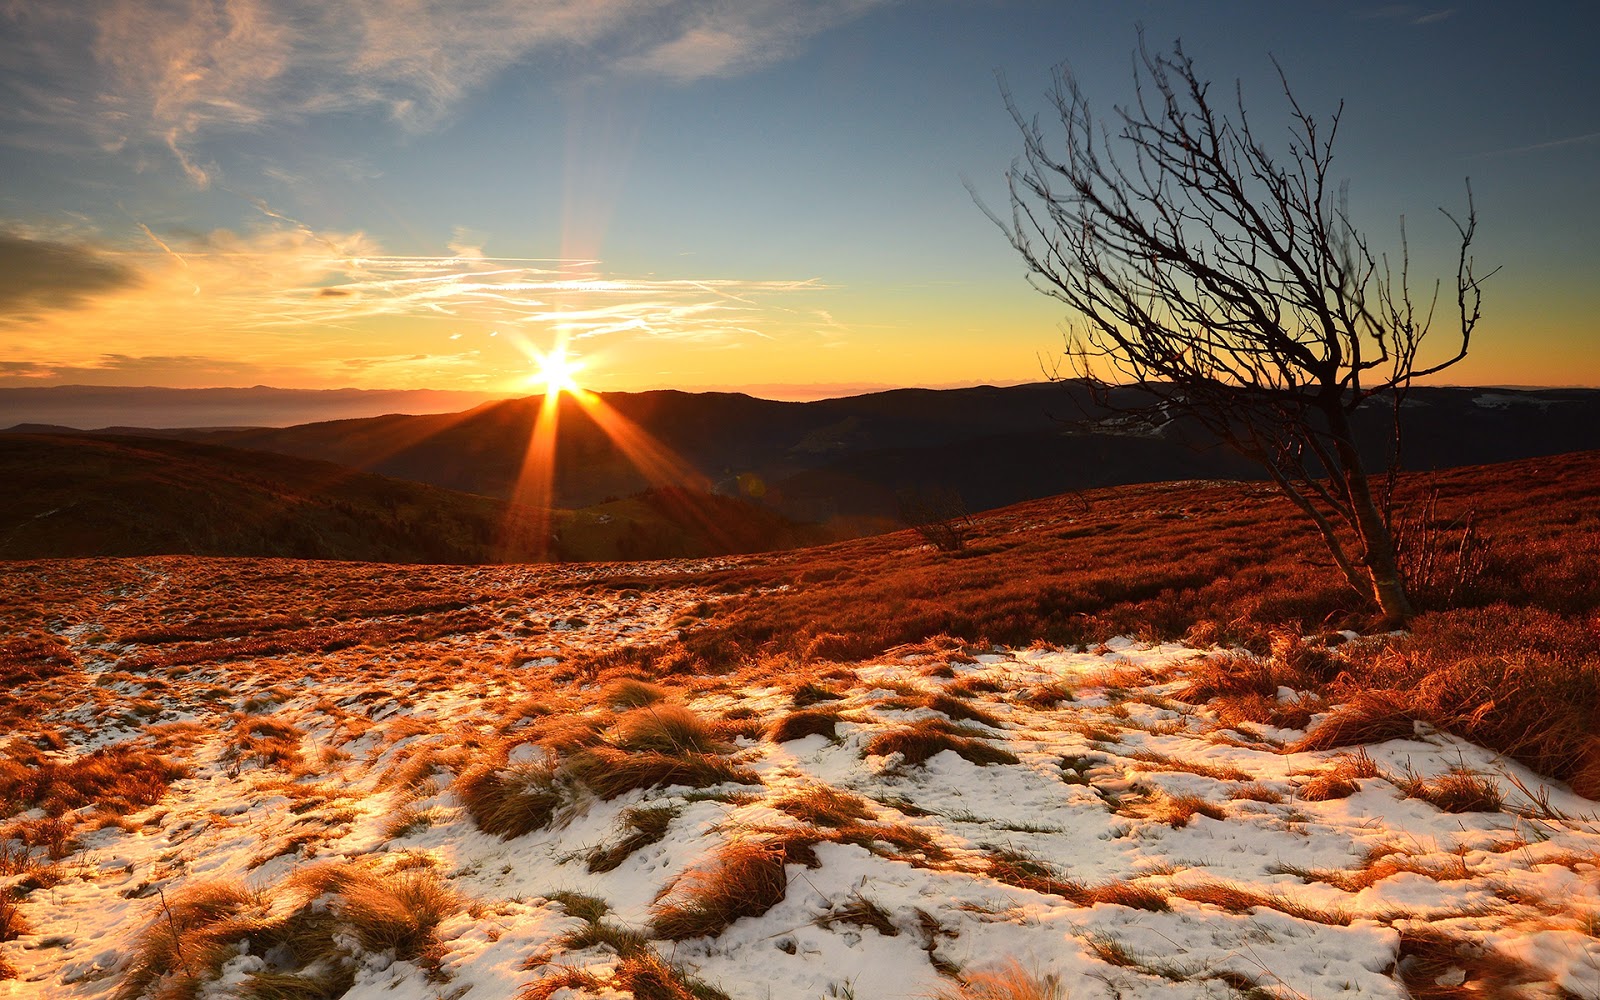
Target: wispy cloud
319	302
40	274
1540	147
166	72
1409	13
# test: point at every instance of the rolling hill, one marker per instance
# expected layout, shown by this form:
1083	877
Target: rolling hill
852	456
82	495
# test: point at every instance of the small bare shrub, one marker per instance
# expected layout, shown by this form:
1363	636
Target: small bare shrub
938	514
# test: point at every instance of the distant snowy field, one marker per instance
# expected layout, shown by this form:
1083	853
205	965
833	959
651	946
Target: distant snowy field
1136	847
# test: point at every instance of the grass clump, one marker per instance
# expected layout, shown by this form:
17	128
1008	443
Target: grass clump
743	878
805	722
118	779
1025	872
921	740
1006	981
631	692
313	933
609	771
1436	965
644	827
666	729
1455	791
1340	781
511	800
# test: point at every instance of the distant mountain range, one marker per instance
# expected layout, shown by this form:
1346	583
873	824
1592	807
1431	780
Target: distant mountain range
829	460
87	406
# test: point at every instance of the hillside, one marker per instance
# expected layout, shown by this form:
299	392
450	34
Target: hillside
78	495
852	456
1126	743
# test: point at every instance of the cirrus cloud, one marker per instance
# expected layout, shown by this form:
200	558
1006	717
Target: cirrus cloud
166	72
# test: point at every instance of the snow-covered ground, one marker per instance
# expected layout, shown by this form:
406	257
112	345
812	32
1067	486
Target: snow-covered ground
1136	847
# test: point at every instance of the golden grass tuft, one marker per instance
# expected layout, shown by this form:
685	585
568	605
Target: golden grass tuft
1150	760
921	740
511	800
631	692
1255	791
1436	965
118	779
822	805
644	826
610	771
1456	791
1006	981
743	878
312	922
805	722
1025	872
1340	781
1367	717
1235	898
666	729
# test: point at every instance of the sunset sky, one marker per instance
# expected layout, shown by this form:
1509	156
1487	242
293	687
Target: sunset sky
763	195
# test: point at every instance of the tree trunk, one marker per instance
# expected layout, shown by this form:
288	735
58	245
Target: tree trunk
1378	557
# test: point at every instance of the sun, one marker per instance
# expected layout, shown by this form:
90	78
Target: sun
556	371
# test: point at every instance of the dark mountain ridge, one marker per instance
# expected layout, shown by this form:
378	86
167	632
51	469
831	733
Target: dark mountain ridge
853	455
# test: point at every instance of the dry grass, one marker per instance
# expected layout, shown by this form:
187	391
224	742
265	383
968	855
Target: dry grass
921	740
511	800
1235	898
610	772
1340	781
1436	965
643	826
822	805
312	921
1255	792
743	878
858	911
1455	791
118	779
1024	872
642	974
1366	717
631	692
1149	760
666	729
805	722
1176	811
1006	981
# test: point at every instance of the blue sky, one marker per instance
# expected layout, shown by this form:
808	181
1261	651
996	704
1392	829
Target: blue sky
764	194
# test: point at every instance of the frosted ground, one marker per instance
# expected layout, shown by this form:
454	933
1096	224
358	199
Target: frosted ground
1135	847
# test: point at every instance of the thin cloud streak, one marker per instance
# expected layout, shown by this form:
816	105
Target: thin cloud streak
320	301
167	73
1539	147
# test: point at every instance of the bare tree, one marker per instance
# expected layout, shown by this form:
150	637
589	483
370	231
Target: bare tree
1207	276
